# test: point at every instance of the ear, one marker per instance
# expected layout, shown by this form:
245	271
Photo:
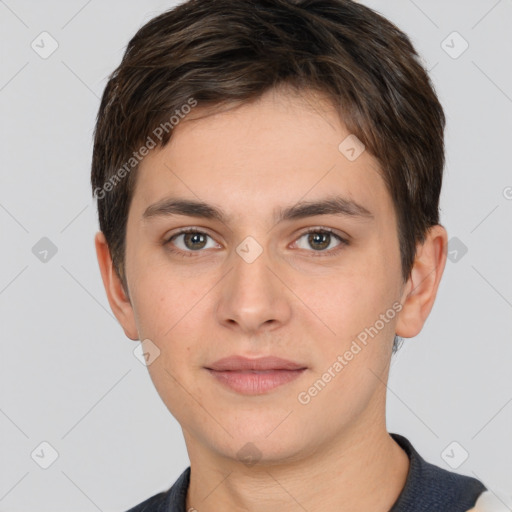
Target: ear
421	288
119	303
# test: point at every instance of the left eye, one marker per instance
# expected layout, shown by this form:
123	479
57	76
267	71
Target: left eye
319	240
192	241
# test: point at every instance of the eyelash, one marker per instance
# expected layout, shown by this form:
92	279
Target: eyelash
330	252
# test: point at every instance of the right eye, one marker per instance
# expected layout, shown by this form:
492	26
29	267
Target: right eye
189	241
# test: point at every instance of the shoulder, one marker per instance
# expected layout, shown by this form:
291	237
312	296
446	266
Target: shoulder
153	504
430	488
495	501
172	499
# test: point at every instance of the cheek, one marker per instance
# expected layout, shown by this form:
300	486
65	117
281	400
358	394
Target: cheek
161	294
167	319
170	310
169	316
151	307
347	300
348	305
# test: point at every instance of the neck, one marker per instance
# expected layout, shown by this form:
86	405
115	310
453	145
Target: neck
364	469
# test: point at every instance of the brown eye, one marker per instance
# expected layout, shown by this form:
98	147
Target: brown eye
191	241
194	241
320	240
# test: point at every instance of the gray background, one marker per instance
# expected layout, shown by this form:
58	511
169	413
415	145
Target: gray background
68	374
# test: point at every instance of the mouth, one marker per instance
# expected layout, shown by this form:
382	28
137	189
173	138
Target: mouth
240	364
255	376
255	382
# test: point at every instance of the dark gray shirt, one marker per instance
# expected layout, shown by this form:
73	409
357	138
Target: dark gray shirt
428	488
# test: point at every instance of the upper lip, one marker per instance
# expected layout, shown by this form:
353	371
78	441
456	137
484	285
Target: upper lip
240	363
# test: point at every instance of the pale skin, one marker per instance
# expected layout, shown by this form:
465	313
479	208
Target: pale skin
297	300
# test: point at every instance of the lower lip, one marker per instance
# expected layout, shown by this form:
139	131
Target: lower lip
255	382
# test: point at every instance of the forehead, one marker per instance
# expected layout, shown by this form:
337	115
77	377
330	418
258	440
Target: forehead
262	155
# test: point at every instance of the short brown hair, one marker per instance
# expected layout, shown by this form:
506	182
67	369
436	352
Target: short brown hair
225	51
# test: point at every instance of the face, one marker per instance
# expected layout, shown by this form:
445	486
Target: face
293	253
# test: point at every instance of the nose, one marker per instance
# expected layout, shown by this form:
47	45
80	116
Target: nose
253	297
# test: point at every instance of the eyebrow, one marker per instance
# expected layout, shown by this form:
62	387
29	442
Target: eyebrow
336	205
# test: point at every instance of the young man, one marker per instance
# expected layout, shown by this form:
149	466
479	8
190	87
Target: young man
268	176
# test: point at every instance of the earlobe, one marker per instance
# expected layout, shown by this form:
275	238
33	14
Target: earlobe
421	288
119	302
